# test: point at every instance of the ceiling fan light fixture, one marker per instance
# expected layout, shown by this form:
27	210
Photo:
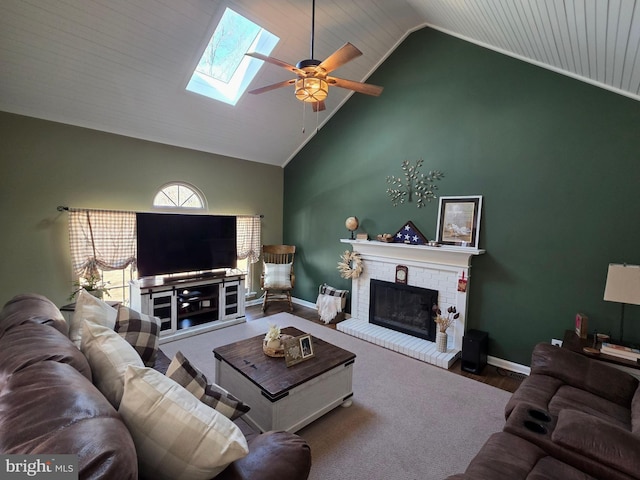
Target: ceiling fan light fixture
311	89
312	84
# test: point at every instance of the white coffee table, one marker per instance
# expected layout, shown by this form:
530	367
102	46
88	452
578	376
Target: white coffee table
284	398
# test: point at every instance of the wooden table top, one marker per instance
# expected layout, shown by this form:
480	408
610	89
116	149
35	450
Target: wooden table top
271	374
576	344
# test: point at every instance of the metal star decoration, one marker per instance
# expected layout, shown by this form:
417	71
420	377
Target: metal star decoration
413	184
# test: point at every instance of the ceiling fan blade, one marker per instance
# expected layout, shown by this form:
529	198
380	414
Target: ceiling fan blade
319	106
273	86
344	54
275	61
359	87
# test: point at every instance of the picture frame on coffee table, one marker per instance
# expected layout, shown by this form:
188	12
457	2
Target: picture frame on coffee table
298	349
459	221
306	346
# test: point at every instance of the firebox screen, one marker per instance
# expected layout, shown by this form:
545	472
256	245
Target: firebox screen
404	308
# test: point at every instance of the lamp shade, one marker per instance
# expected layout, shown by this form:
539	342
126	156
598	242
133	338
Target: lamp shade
623	284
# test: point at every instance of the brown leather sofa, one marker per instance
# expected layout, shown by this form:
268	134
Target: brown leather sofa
49	405
572	418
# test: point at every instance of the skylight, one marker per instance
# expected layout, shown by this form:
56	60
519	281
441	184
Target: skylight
224	72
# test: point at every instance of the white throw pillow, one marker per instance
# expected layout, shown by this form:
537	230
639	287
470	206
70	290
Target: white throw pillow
277	275
108	355
93	309
175	434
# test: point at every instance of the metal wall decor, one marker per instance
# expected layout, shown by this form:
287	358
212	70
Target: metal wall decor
414	184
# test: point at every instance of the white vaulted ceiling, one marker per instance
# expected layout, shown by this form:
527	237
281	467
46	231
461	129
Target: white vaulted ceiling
121	66
594	40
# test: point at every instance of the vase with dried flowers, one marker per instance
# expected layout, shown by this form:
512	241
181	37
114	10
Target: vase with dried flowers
443	323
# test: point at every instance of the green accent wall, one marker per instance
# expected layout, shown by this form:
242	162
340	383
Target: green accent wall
557	161
46	164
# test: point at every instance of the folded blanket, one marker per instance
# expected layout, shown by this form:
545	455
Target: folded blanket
328	307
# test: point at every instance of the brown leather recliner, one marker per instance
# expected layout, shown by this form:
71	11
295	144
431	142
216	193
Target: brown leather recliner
572	418
49	405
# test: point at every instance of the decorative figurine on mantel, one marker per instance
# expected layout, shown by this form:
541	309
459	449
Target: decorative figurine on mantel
352	225
409	234
385	237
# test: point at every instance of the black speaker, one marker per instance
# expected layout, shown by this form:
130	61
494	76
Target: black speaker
474	351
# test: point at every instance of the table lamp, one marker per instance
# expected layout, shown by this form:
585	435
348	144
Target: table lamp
623	286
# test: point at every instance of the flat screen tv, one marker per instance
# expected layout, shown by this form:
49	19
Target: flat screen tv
171	243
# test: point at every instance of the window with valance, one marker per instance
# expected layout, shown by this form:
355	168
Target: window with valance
104	240
248	232
101	240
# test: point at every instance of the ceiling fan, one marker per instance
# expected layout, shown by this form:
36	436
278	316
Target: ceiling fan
312	84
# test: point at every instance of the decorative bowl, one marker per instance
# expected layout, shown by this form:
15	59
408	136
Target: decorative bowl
275	352
385	238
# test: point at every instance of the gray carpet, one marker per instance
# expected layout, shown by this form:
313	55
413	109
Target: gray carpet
409	420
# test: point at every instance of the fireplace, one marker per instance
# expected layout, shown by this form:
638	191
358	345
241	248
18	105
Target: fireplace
445	269
403	308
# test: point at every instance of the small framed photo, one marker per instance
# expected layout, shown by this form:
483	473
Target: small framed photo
459	221
582	322
298	349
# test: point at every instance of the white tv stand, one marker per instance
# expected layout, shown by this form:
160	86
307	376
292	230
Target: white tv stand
191	305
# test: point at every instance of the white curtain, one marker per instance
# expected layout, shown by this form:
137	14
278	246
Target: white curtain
248	234
101	239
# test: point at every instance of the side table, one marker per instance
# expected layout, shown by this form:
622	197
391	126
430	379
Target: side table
68	310
576	344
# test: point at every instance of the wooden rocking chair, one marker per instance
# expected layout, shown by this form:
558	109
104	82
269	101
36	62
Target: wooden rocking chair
277	279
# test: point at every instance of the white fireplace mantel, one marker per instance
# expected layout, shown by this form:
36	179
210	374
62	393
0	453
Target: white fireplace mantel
438	268
442	255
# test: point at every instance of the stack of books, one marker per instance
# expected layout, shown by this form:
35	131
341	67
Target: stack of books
620	351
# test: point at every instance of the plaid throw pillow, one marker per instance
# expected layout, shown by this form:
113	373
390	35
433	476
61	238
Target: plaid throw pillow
277	275
176	436
141	331
184	373
333	292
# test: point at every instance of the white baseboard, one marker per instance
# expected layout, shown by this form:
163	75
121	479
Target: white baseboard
507	365
298	301
304	303
251	303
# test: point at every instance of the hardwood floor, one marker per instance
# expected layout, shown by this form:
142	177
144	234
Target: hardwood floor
497	377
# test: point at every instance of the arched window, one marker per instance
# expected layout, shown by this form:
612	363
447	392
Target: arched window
179	195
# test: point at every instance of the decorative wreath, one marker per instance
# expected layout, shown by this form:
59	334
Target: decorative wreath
351	265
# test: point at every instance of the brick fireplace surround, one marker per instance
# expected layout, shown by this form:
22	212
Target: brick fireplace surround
437	268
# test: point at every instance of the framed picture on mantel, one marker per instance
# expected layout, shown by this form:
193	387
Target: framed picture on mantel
459	221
